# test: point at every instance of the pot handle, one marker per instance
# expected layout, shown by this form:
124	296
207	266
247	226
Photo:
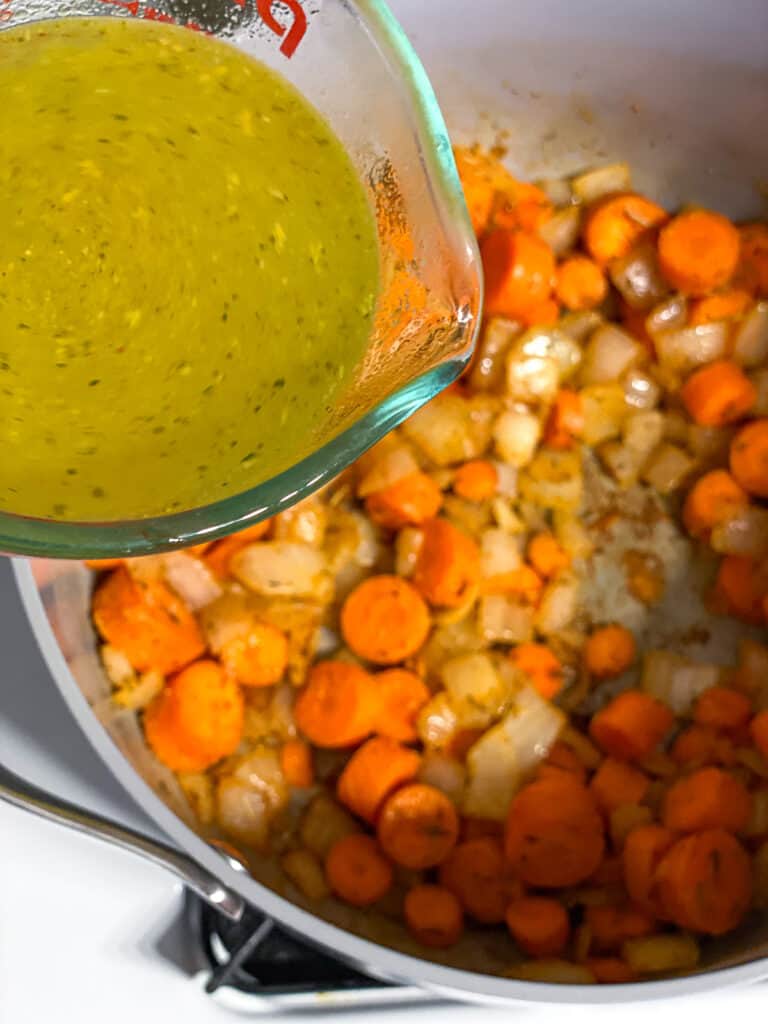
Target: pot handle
23	794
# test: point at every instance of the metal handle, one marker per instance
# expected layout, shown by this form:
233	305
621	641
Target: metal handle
23	794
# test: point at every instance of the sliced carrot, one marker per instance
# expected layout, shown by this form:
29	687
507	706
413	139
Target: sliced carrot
740	588
385	619
554	834
418	827
337	707
701	745
103	564
357	871
475	480
758	730
478	185
519	270
433	916
718	394
296	763
631	726
704	882
478	828
698	251
610	970
519	204
522	583
708	798
448	564
641	855
372	773
752	273
408	502
612	926
722	708
547	556
610	873
401	695
220	554
722	305
749	458
539	926
259	657
615	223
580	283
609	651
541	665
565	423
145	620
541	314
561	757
714	498
616	783
197	719
477	874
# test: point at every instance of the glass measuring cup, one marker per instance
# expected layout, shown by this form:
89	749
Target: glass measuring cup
352	61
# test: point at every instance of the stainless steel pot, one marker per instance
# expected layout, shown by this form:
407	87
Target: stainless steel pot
678	89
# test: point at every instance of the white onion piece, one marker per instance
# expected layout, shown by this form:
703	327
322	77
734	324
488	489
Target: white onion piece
532	378
516	435
553	479
561	230
450	428
750	338
643	431
667	468
475	689
709	444
117	666
638	278
641	391
243	812
685	349
502	620
557	190
392	466
557	606
760	379
192	580
437	722
506	484
323	824
228	618
604	410
499	552
745	533
489	367
444	773
549	343
669	315
277	567
602	181
581	324
609	353
305	522
407	546
675	680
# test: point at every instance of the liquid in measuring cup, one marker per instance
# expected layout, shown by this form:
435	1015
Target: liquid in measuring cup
188	270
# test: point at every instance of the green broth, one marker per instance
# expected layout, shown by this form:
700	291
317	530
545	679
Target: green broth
188	270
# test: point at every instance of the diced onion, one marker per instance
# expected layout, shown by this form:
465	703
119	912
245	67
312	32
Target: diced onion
489	369
502	620
676	680
550	343
532	378
304	523
324	822
227	619
667	468
407	546
642	432
499	552
640	389
557	606
578	326
602	181
306	873
446	430
393	465
243	812
604	410
609	353
437	722
623	464
561	230
658	954
475	689
553	479
638	278
192	580
669	315
444	773
750	339
557	190
117	666
279	567
516	435
683	350
506	484
745	534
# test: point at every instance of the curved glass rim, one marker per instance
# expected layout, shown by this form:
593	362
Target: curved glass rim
33	536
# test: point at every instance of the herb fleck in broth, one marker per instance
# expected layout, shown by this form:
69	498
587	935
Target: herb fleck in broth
188	265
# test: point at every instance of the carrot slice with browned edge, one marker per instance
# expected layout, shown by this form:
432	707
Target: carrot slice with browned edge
611	926
401	695
433	916
372	773
720	306
718	394
562	758
643	850
554	834
145	620
539	925
407	502
541	665
565	423
259	657
357	871
197	719
722	708
714	498
580	283
615	223
546	555
631	726
385	620
478	875
708	798
704	882
616	783
752	272
740	588
749	458
519	272
448	564
337	707
296	763
418	827
698	251
476	480
609	651
700	745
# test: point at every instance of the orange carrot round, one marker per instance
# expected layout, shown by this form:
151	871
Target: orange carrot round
704	882
147	622
259	658
580	283
698	251
752	273
554	834
631	726
539	926
722	708
616	783
615	223
522	583
609	651
708	798
385	620
740	588
547	556
357	872
197	719
714	498
519	270
718	394
641	855
610	970
433	916
401	695
701	745
418	827
475	480
543	668
749	458
758	730
730	302
477	874
337	707
611	926
296	763
565	423
561	757
372	773
448	564
407	502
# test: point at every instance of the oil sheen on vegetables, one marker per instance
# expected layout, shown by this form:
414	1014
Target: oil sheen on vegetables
188	270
